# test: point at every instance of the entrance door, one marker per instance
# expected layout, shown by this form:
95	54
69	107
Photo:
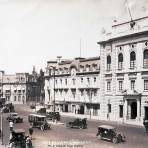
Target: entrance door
133	110
82	109
66	107
146	113
121	111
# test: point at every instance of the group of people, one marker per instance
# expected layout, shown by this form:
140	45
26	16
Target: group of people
22	139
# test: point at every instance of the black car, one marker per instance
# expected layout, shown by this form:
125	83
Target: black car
38	121
18	138
109	133
15	118
42	111
77	123
53	116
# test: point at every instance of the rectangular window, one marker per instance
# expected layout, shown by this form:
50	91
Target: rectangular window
81	80
88	80
132	64
82	92
94	79
108	85
65	81
145	64
95	92
120	85
120	65
108	67
74	81
145	84
132	84
61	81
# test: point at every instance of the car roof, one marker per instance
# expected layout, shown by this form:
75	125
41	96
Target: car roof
19	130
14	113
37	115
106	127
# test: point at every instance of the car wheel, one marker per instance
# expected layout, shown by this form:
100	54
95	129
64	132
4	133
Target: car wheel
115	140
99	137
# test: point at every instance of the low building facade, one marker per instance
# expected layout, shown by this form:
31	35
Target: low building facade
73	86
124	72
19	88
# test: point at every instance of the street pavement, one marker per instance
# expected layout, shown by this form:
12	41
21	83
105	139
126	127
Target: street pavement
61	137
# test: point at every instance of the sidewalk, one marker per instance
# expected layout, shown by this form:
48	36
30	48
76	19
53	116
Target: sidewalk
96	118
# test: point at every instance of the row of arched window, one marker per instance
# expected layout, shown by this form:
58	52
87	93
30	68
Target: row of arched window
132	60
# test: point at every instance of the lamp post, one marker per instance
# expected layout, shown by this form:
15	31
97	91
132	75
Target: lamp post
2	137
53	86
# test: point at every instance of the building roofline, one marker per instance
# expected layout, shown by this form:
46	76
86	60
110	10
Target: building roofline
123	36
89	59
130	21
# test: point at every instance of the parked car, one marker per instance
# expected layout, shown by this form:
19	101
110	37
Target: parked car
41	111
38	121
15	118
5	109
53	115
18	138
32	106
77	123
109	133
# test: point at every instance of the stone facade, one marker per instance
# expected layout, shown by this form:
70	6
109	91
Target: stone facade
19	88
124	72
73	86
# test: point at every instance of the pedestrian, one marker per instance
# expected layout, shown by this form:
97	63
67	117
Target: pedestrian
42	127
145	123
28	142
31	131
11	125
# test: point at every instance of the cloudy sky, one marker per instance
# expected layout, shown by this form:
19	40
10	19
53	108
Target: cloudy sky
35	31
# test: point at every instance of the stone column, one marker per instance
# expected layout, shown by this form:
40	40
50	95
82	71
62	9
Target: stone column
125	110
138	109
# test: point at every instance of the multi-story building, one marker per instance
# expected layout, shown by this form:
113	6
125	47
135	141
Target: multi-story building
20	88
124	71
73	85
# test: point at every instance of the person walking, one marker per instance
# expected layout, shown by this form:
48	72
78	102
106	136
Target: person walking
28	142
11	125
31	131
145	123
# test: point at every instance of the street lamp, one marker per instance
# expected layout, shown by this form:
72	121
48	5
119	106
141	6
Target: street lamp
53	85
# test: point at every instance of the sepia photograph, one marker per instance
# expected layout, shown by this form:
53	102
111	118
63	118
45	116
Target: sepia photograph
73	73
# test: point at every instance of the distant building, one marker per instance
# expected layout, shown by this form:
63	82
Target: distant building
124	72
73	85
20	88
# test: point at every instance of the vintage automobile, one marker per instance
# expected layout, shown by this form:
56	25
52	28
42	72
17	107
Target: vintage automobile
109	133
53	115
7	108
77	123
38	121
41	111
15	118
18	138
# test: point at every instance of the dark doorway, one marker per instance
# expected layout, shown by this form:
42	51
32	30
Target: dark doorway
121	111
66	107
146	113
82	109
133	110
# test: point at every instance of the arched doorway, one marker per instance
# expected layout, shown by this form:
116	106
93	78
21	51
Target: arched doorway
133	110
